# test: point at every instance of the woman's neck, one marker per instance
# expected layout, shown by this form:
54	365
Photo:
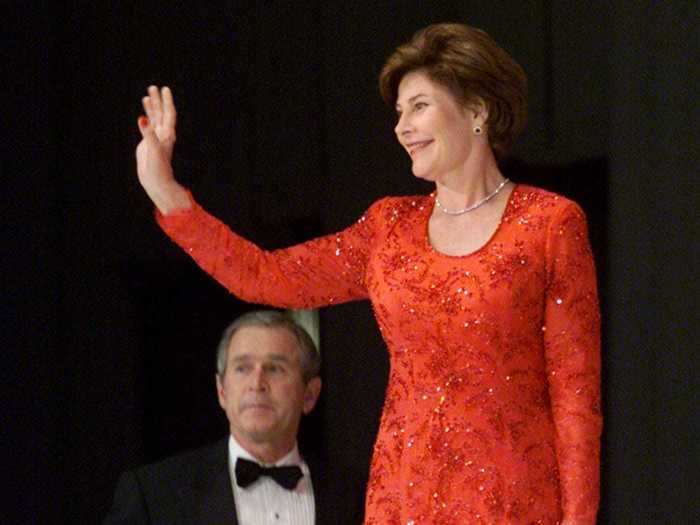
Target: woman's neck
473	181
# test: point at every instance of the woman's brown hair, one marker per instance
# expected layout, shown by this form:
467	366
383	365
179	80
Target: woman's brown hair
469	63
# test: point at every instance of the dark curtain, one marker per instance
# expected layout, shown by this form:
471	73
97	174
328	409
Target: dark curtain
110	330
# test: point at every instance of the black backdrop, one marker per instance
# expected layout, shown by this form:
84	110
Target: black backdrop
111	330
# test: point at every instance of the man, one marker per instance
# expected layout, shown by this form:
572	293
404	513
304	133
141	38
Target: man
267	377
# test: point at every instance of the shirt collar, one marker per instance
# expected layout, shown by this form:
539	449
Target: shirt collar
235	450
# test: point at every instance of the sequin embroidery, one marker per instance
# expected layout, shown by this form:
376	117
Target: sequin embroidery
492	412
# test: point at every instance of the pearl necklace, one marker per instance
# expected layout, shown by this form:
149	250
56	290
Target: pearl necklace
473	206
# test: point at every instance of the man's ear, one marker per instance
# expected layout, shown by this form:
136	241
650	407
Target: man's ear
220	392
311	393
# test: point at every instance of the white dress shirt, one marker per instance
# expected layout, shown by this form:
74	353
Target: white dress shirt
264	502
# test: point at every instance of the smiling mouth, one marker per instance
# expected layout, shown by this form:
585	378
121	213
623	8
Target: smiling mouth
416	147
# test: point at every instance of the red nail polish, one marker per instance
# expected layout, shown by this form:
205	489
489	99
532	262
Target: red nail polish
143	121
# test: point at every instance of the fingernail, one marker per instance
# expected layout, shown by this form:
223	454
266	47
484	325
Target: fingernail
143	121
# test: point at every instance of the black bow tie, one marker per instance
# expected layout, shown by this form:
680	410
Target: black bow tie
249	471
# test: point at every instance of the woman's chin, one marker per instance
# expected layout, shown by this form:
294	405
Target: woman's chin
422	174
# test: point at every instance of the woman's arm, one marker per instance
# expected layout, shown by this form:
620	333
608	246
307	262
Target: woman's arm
155	151
320	272
572	346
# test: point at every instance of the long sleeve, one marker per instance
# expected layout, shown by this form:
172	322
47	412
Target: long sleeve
323	271
572	346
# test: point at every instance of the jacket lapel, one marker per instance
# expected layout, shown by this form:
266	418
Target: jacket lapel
216	497
317	482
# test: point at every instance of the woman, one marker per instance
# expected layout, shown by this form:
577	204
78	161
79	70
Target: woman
484	292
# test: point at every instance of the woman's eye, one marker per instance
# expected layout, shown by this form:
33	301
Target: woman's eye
420	105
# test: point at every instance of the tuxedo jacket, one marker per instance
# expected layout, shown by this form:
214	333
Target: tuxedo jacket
195	488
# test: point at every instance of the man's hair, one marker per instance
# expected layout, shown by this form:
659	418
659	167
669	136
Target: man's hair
309	356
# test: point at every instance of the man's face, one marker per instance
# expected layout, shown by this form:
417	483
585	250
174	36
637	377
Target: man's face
262	390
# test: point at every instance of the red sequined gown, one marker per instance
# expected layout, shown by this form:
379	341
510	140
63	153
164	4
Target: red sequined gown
492	410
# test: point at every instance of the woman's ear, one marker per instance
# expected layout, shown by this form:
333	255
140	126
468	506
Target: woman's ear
479	110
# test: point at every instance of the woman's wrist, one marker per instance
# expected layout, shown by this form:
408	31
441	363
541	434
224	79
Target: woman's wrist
170	198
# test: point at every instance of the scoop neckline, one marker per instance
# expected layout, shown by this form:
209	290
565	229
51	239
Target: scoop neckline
489	241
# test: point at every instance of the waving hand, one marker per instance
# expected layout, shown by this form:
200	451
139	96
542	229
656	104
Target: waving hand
154	152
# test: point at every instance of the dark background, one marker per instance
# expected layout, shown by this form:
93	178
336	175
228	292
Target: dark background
110	330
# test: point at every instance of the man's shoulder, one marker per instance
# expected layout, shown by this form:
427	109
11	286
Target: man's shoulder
339	488
186	477
190	487
184	462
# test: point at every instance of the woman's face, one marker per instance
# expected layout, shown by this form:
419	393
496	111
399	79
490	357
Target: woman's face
435	130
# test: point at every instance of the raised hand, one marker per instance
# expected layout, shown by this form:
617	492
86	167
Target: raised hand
154	152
